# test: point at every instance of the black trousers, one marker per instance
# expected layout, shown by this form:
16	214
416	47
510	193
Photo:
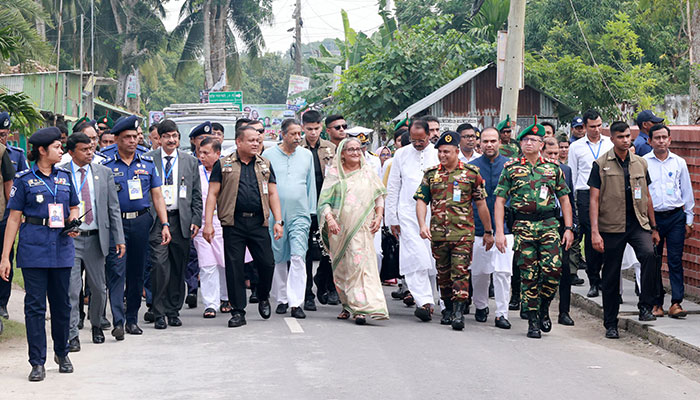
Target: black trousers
6	287
250	232
565	280
594	259
615	243
168	265
324	273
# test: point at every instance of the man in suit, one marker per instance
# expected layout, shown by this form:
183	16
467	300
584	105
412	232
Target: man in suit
183	199
95	186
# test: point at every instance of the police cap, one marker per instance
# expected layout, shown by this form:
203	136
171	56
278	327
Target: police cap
450	138
130	123
202	129
4	120
45	136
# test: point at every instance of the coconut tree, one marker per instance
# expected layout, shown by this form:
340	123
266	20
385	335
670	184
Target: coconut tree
17	20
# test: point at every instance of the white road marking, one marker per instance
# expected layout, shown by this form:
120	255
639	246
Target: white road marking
293	325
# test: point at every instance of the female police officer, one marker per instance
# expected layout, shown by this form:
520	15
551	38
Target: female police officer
45	196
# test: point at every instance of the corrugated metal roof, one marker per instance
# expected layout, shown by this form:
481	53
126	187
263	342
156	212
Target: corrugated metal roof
439	94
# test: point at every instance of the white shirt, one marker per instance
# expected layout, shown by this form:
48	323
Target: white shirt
374	162
75	170
464	159
670	184
582	153
407	169
175	161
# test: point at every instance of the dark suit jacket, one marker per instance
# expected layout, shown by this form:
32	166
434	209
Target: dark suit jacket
108	218
190	207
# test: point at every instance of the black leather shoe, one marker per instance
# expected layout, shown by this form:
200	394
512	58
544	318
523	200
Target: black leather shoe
545	321
149	317
133	329
64	364
333	298
191	300
236	321
105	325
310	305
523	314
646	315
458	316
612	333
264	309
160	323
446	317
98	336
514	304
281	308
593	292
399	293
298	313
3	312
322	297
502	322
38	373
74	345
533	325
174	321
481	314
423	313
118	332
565	319
253	296
576	281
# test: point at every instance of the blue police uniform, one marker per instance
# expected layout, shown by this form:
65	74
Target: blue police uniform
111	150
45	255
137	222
18	158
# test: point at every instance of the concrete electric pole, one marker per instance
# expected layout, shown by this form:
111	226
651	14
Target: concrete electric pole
297	38
513	78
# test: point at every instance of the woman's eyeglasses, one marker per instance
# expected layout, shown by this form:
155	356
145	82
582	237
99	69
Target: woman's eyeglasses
353	150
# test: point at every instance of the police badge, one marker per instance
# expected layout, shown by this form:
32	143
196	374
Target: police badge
39	198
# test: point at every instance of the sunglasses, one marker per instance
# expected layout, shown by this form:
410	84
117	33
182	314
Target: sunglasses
344	126
261	130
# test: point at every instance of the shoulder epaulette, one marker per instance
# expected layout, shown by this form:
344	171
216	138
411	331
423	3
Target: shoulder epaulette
147	158
472	167
434	167
111	146
63	170
15	148
23	173
549	160
510	162
106	159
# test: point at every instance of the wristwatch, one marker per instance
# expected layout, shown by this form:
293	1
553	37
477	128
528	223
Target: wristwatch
281	222
569	228
653	227
165	224
488	233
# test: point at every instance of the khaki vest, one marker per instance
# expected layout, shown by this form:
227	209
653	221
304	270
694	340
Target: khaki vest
611	216
326	152
3	202
230	176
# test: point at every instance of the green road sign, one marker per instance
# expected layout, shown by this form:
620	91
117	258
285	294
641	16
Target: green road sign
227	97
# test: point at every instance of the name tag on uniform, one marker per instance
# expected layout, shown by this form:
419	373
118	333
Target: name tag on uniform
168	194
183	191
544	192
56	216
637	193
264	185
135	192
456	193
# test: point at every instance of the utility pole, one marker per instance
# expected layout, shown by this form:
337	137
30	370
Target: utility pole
80	87
297	38
58	55
513	68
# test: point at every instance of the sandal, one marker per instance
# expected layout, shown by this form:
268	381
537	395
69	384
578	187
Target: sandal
225	307
345	314
210	313
360	320
408	299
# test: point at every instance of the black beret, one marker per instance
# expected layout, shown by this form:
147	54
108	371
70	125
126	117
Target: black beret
450	138
202	129
45	136
129	123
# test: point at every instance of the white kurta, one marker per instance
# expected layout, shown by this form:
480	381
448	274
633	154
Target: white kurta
407	170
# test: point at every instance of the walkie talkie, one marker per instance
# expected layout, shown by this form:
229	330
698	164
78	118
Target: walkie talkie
73	225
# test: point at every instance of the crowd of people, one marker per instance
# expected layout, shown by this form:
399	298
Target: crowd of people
453	217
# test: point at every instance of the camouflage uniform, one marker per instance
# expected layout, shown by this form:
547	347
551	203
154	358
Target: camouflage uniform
452	224
510	150
537	243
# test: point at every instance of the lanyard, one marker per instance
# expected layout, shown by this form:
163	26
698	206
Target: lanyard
166	174
72	168
205	173
596	154
53	192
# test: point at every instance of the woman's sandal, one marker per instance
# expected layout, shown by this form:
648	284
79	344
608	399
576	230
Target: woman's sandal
345	314
210	313
225	307
360	320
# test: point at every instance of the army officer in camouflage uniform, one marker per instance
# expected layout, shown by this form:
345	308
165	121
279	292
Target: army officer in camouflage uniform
449	188
533	185
508	148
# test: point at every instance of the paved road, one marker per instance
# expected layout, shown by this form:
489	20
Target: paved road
396	359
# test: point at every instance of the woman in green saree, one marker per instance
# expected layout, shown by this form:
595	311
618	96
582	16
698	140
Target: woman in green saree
350	211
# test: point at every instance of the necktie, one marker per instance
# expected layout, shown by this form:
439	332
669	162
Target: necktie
168	170
85	195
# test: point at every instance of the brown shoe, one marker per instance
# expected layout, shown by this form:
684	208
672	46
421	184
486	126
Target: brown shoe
676	311
658	311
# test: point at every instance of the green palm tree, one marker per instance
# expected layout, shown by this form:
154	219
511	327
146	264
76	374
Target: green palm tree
209	29
17	20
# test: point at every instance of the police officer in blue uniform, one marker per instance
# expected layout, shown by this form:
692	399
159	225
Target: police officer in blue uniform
45	196
111	150
19	160
136	178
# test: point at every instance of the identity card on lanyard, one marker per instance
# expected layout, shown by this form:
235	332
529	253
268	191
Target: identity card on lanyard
55	209
81	206
597	153
169	190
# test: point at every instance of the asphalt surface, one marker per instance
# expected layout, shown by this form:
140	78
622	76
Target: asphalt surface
321	357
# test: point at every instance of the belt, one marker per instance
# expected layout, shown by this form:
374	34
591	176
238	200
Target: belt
89	233
134	214
246	214
536	216
40	221
173	213
667	213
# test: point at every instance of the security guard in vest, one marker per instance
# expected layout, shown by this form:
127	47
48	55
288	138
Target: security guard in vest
19	160
135	176
620	177
243	191
45	196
